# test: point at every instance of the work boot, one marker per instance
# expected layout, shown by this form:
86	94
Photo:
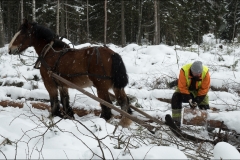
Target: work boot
178	123
177	116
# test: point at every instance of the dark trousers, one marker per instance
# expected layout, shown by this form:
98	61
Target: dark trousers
177	101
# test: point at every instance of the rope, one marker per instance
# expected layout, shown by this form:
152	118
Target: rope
23	62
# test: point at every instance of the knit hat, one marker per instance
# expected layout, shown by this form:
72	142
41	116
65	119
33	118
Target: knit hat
197	67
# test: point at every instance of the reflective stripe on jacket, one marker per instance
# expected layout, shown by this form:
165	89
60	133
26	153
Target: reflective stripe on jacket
185	80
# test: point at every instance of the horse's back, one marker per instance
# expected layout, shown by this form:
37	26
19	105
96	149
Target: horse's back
86	66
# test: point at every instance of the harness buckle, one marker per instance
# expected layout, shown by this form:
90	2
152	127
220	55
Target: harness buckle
49	73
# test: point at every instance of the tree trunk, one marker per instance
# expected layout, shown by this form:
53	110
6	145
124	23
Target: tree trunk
57	18
21	20
158	17
1	27
9	31
62	26
123	24
156	42
33	11
66	22
199	9
87	24
105	22
139	21
79	31
234	21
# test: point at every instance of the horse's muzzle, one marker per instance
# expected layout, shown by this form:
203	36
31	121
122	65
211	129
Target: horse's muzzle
13	50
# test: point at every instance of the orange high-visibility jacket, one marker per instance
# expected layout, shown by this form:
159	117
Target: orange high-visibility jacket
185	80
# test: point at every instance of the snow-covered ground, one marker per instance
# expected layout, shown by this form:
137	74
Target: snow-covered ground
25	133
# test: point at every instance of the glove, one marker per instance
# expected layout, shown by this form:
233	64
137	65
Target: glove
199	99
186	97
192	104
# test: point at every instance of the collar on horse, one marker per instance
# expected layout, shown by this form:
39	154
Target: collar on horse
41	60
42	55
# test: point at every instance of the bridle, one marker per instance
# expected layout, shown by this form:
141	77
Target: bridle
29	32
27	35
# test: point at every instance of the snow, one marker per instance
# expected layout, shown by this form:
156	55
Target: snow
220	151
148	67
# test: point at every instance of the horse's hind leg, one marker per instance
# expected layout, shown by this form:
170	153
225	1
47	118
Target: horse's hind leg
106	111
122	99
65	102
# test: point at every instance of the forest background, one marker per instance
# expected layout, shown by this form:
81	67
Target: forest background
176	23
171	22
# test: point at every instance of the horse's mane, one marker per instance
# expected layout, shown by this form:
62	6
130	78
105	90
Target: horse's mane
42	32
59	43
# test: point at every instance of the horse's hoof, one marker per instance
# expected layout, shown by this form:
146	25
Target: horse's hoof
125	122
106	114
50	116
58	114
71	117
106	117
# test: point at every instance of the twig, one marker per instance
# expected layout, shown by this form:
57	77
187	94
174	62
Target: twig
3	154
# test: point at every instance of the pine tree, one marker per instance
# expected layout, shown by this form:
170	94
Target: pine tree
96	22
218	7
232	21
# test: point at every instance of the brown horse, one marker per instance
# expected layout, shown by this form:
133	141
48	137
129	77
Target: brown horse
97	66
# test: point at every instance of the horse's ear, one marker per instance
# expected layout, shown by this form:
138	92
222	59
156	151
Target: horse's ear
25	21
25	25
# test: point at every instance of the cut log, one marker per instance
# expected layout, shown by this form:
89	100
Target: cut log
43	106
198	117
11	103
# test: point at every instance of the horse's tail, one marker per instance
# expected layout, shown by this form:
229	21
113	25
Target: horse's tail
119	73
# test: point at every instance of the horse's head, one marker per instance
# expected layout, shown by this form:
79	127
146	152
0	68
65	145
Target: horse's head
33	34
22	39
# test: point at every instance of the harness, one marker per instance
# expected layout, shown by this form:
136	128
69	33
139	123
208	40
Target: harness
42	61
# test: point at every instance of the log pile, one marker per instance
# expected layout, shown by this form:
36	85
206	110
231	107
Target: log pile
200	118
190	117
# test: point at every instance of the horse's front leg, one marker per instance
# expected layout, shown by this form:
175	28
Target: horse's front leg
55	109
68	112
52	89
